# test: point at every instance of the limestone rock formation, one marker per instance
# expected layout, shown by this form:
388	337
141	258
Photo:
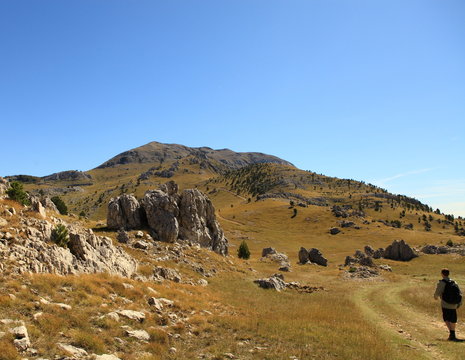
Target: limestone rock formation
48	204
280	258
85	253
124	212
189	216
3	187
400	250
274	282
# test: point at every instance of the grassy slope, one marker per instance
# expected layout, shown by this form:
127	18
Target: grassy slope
394	318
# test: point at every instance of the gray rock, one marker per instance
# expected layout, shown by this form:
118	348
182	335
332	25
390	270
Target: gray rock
141	245
334	231
400	251
131	314
350	260
378	254
274	282
430	249
315	256
367	261
161	273
124	212
162	214
346	224
303	255
21	340
3	222
123	237
106	357
138	334
155	303
49	205
73	350
267	251
369	250
38	207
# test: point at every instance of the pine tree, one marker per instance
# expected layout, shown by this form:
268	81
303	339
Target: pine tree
243	251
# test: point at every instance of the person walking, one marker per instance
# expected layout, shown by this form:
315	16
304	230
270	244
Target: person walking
451	299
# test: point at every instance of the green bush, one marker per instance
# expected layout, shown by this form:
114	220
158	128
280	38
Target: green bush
16	192
61	206
450	243
243	252
60	235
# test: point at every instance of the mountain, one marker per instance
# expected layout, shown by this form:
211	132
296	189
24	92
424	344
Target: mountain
158	153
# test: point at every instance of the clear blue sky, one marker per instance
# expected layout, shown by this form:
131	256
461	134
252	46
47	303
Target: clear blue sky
369	90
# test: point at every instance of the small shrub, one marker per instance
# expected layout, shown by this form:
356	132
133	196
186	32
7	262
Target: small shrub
61	206
243	252
17	193
60	235
82	214
450	243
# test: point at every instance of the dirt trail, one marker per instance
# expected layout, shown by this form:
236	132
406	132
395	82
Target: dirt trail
414	330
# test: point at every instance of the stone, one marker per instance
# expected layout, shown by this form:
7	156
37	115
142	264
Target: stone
303	255
138	334
430	249
123	237
346	224
161	273
315	256
162	214
21	341
106	357
139	234
378	254
268	251
48	204
274	282
37	206
166	302
72	350
155	303
399	250
385	268
124	212
334	231
140	244
367	261
3	222
131	314
369	250
202	282
349	261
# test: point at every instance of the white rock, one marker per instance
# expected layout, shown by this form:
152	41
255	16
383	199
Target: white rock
72	350
202	282
113	316
157	304
138	334
63	306
106	357
37	315
133	315
166	302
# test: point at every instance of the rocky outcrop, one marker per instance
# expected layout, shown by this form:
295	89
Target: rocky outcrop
37	206
315	256
85	253
399	250
124	212
48	204
280	258
312	255
3	187
275	282
189	216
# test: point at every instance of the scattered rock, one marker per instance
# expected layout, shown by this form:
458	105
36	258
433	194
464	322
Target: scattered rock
303	255
139	234
138	334
400	251
131	314
315	256
334	231
106	357
72	350
274	282
21	340
161	273
140	244
123	237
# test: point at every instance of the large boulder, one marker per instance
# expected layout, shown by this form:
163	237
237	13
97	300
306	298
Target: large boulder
275	282
315	256
399	250
3	187
189	216
303	255
49	204
198	221
124	212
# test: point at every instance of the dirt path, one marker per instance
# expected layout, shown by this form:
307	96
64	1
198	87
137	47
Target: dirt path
410	329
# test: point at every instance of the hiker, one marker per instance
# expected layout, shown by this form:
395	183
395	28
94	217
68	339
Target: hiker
451	299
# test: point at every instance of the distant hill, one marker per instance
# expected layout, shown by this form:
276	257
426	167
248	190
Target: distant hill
158	153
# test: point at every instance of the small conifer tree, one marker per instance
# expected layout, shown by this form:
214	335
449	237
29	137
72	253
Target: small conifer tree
16	192
60	235
60	204
243	252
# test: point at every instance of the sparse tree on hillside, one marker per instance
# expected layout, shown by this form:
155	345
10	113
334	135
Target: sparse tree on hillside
243	252
60	235
60	204
16	193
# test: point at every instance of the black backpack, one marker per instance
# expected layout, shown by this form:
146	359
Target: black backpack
451	294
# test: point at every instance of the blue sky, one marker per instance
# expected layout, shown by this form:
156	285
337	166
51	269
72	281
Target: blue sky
369	90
